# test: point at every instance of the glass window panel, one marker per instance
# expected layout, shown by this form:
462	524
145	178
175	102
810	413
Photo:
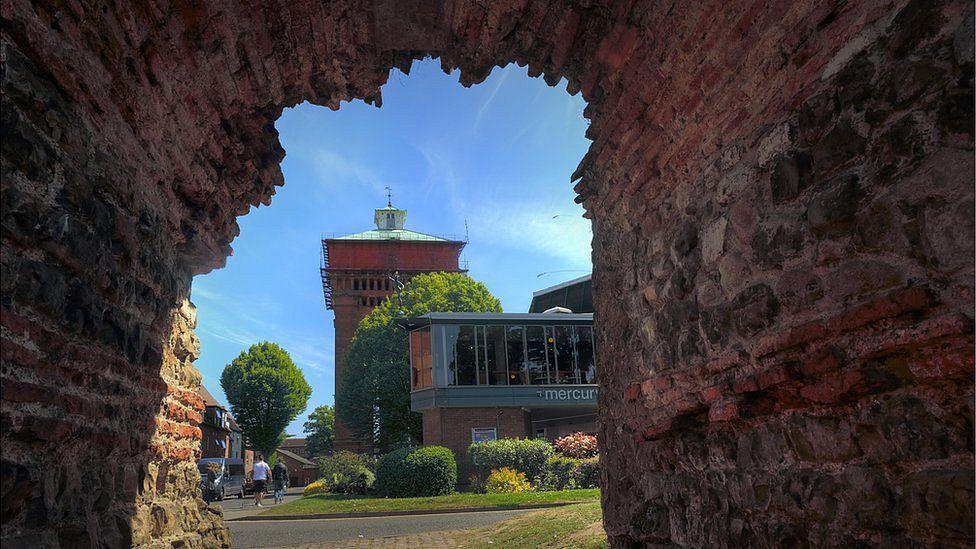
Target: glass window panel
516	355
495	360
551	353
479	333
465	356
449	336
585	357
421	360
536	360
565	363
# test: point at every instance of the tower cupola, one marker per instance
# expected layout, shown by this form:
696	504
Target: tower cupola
389	218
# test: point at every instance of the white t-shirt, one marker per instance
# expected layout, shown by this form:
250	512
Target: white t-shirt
261	471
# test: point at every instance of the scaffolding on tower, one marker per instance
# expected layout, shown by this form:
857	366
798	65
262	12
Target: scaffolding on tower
324	272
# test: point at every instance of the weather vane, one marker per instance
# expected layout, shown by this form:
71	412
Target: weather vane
389	196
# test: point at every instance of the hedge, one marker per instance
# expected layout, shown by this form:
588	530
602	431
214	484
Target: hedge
528	456
416	472
346	473
588	473
568	473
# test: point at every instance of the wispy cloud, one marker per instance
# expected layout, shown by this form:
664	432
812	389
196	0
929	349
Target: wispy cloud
488	101
339	170
530	226
441	174
244	339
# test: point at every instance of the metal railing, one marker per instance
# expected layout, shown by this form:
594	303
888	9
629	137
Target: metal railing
378	236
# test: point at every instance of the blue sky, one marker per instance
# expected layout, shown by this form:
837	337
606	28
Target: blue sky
498	155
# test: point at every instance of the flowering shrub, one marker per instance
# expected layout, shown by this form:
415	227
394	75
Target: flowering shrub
320	486
578	445
507	481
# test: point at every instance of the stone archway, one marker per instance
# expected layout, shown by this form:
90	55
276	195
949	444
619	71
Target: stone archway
782	204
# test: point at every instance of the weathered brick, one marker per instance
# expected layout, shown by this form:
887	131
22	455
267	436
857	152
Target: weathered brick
832	137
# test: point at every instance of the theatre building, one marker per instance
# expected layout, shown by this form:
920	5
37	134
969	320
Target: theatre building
483	376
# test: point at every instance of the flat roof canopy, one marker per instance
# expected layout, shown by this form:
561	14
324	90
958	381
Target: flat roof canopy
534	319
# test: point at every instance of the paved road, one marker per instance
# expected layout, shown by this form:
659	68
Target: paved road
236	508
281	533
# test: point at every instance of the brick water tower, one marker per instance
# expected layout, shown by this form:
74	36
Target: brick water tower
359	270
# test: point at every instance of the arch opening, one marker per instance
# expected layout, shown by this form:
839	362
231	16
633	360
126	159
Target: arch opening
781	203
488	167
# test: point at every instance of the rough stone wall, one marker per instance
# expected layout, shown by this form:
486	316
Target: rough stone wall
781	195
803	301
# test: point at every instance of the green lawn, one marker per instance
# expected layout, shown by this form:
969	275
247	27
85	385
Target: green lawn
337	503
573	526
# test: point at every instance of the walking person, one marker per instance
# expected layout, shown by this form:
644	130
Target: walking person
261	473
280	475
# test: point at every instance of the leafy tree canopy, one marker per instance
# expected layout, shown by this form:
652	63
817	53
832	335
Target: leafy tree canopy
373	399
266	392
320	430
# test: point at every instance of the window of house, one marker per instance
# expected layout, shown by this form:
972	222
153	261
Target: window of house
483	434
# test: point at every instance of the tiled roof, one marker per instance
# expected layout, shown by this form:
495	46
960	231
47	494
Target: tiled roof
208	399
306	463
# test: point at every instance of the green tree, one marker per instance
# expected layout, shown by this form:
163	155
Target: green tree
373	399
320	430
266	392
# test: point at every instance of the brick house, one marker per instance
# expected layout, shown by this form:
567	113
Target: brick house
218	436
302	467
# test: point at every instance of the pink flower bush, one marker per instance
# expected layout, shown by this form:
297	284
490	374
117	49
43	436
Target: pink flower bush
578	445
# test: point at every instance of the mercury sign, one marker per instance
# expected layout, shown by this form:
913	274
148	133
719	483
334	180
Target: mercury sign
567	394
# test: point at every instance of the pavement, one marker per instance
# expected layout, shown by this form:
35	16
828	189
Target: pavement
236	508
427	531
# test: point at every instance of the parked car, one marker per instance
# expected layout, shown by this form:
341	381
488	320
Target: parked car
221	477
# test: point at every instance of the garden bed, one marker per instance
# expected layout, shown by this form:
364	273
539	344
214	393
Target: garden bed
339	503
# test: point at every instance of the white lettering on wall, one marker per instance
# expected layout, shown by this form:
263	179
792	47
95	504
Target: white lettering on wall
568	394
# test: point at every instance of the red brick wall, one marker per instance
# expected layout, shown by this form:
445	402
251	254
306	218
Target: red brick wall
352	254
782	206
208	442
451	427
299	476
